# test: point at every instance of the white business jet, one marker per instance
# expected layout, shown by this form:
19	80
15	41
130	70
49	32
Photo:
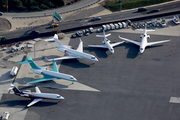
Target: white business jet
106	42
48	75
72	54
38	96
144	43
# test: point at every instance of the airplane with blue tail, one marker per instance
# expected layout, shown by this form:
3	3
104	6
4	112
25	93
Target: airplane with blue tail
48	75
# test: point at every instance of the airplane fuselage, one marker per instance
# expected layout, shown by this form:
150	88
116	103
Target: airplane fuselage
78	54
53	74
40	95
143	44
107	43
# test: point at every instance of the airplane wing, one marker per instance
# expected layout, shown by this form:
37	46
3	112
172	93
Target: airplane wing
37	90
99	46
55	69
132	41
80	47
41	80
34	101
49	40
153	43
63	58
115	44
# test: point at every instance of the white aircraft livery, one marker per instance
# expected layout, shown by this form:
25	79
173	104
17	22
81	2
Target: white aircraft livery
38	96
72	54
106	43
144	43
52	39
48	75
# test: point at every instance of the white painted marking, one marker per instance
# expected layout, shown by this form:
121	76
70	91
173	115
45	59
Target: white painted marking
174	100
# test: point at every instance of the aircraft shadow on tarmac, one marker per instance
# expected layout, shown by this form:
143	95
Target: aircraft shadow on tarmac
5	77
19	103
77	63
47	84
134	50
100	52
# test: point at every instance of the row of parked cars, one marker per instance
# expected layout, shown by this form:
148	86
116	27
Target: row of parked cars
113	26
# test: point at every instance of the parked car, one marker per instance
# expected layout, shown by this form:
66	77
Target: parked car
14	71
14	48
112	26
1	13
116	25
6	116
154	10
34	32
120	25
96	18
142	9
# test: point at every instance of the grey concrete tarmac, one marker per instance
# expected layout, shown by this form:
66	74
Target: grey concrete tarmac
132	86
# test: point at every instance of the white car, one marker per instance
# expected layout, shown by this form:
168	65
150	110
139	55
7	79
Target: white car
6	116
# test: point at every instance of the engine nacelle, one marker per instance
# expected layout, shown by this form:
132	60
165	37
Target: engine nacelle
148	36
37	71
141	36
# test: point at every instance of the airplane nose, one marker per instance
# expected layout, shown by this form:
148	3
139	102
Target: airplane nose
62	97
96	59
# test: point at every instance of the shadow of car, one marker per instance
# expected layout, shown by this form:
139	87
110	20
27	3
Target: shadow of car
154	10
142	9
34	32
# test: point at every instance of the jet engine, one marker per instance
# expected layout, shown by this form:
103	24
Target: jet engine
148	36
37	71
141	36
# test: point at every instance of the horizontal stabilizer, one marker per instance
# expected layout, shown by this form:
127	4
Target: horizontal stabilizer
25	62
103	35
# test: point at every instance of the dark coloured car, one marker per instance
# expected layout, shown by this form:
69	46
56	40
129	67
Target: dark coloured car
154	10
1	13
142	9
96	18
34	32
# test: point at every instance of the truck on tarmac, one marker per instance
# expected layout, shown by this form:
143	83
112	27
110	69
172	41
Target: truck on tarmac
14	71
14	48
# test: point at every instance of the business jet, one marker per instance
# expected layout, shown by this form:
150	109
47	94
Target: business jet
144	43
48	75
106	42
72	54
38	96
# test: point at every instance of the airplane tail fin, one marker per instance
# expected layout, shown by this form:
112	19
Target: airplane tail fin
104	35
58	43
16	90
30	61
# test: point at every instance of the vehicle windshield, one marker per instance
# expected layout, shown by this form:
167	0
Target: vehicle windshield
92	57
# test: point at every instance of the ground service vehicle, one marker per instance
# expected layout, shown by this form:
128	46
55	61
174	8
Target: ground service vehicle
54	25
6	116
14	71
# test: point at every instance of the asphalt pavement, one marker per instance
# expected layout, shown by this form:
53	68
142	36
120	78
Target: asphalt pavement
132	85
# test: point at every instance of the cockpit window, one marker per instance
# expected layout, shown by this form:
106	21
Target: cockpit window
141	48
58	96
71	77
92	57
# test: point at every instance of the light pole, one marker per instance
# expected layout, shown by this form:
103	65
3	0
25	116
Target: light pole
7	6
120	4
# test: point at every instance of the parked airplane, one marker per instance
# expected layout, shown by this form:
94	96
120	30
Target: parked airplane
52	39
144	43
48	75
106	42
38	96
72	54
